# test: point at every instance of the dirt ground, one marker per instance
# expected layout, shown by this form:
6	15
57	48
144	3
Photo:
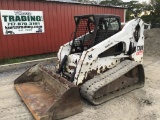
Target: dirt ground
152	43
140	104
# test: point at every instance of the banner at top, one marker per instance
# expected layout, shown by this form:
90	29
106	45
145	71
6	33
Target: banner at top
22	22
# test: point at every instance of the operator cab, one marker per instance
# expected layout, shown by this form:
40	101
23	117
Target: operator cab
93	29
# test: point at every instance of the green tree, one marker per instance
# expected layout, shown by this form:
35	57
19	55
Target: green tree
154	13
155	7
134	9
111	2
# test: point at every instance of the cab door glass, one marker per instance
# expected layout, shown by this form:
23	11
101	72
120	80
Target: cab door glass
113	24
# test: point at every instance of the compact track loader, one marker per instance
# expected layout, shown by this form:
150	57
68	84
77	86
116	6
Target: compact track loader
102	62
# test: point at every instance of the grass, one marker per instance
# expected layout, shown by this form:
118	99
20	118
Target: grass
27	58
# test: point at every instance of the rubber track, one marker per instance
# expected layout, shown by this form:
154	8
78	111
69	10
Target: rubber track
89	88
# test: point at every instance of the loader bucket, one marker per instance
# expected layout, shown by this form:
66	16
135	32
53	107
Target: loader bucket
48	95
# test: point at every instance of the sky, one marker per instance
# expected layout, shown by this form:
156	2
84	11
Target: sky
137	0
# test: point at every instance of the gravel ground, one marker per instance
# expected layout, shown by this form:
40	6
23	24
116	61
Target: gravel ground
152	43
140	104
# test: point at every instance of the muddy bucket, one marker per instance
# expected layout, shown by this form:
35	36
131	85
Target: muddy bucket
48	95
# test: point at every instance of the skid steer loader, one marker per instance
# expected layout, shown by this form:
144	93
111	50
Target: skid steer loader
102	62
